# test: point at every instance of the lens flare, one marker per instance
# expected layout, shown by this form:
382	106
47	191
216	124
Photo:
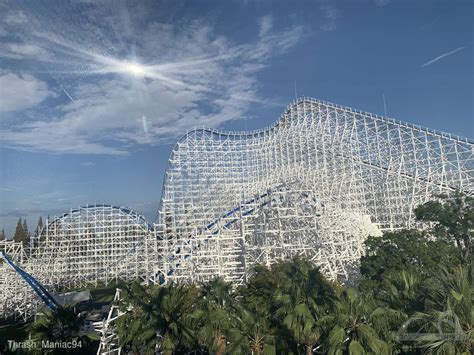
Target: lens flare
131	68
135	69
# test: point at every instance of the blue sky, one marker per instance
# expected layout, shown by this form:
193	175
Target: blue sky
93	94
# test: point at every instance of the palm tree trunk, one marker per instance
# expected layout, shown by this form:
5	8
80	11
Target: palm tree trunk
309	349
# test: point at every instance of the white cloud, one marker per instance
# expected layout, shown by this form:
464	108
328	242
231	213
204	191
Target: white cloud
20	92
199	78
266	24
22	50
330	15
16	17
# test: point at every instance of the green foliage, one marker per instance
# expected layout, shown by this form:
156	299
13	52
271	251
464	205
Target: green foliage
406	250
415	296
445	323
21	233
39	226
453	219
215	316
260	288
251	334
157	318
291	308
294	297
301	303
351	325
422	280
426	253
14	331
62	326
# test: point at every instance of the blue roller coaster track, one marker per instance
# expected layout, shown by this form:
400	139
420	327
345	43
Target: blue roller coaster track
37	287
245	209
126	211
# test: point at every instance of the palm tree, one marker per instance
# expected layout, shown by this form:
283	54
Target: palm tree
402	295
214	317
157	319
262	285
352	327
132	325
447	324
403	292
256	297
62	326
251	335
302	302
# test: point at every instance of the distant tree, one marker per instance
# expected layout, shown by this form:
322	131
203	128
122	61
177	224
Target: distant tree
2	235
25	228
453	219
21	234
39	226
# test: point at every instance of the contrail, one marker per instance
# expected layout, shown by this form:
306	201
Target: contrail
145	128
67	94
145	125
441	57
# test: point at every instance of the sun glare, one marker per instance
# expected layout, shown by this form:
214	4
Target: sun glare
131	68
135	69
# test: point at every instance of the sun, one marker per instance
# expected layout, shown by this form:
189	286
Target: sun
129	68
135	69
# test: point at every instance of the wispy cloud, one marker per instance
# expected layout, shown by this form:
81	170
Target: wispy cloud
22	51
16	17
330	15
266	24
444	55
195	77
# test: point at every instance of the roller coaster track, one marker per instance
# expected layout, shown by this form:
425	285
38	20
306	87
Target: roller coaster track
237	213
361	162
35	285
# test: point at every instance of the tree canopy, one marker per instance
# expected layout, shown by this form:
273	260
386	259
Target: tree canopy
452	217
21	232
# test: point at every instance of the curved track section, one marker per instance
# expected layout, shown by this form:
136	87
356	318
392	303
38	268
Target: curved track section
370	172
80	245
315	184
89	246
